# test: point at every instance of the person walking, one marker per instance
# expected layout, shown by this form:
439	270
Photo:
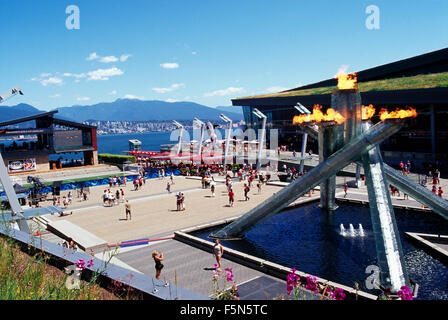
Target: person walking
105	198
168	187
250	179
182	201
117	196
158	258
259	186
69	197
345	190
246	192
434	189
218	251
212	188
178	201
440	192
128	210
231	197
122	195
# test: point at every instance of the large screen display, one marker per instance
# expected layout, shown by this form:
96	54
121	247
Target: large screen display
67	138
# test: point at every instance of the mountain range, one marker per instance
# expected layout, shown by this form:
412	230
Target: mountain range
129	110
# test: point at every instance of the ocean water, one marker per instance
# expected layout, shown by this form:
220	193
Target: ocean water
119	143
151	141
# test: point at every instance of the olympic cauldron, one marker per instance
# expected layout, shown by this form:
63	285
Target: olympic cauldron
345	135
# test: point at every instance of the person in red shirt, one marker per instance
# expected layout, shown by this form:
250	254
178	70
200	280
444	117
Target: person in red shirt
246	192
440	192
345	190
434	189
231	197
251	179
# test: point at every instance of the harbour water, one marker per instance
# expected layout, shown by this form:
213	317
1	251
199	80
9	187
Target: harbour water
151	141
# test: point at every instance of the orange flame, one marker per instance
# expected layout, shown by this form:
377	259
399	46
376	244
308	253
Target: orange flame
368	112
346	81
319	116
398	113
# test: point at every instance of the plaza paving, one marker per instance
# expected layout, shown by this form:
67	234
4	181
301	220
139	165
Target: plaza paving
154	215
154	209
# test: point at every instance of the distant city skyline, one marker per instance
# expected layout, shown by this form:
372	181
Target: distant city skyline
206	52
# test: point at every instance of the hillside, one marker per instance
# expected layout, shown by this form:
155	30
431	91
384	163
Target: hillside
17	111
140	110
125	110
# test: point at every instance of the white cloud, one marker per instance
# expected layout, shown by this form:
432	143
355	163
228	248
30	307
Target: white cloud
170	65
104	74
52	80
173	87
92	56
75	75
113	92
56	95
171	100
194	53
124	57
224	92
275	89
131	96
44	75
108	59
82	98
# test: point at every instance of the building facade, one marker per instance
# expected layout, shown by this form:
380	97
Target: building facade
420	82
42	142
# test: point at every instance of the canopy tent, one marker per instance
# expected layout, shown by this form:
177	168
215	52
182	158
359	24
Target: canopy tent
19	189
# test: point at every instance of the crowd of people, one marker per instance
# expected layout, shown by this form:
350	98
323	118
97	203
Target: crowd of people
111	198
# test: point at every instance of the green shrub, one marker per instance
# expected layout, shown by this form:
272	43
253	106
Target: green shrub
115	158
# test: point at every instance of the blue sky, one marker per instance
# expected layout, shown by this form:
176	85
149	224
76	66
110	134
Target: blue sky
203	51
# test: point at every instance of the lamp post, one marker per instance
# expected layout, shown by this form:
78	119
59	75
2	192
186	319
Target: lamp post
261	135
181	131
302	110
16	209
202	124
229	131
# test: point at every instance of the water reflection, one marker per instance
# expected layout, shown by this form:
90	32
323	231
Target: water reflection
310	240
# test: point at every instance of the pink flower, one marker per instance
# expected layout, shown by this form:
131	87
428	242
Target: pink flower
338	294
311	284
90	263
229	274
405	293
81	264
292	281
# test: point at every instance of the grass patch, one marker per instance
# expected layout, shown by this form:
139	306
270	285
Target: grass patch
423	81
26	277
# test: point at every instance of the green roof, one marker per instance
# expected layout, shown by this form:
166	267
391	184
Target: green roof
423	81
